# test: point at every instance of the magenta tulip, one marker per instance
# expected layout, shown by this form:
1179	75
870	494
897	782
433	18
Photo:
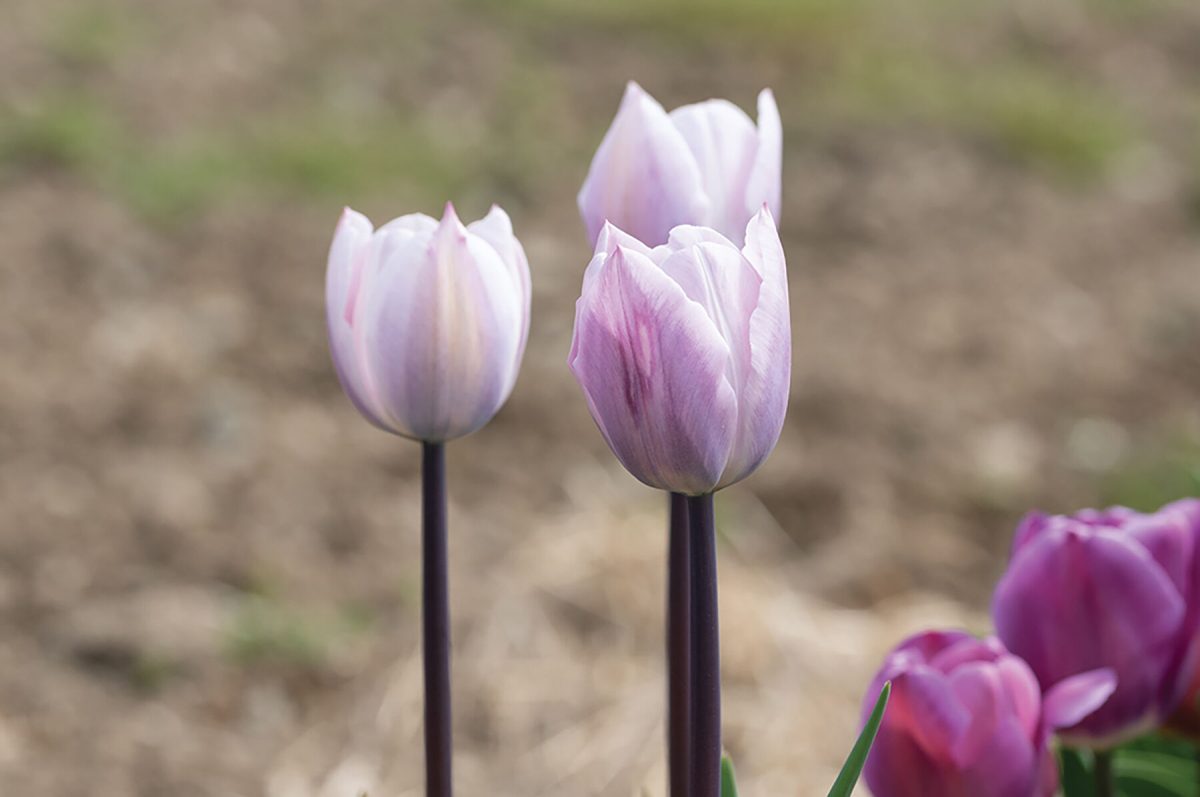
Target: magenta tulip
427	320
705	164
967	719
1113	588
683	352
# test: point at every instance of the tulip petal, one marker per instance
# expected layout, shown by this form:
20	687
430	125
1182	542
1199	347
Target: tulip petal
441	331
1029	529
935	716
1077	599
343	279
1023	693
1005	767
898	766
722	281
643	178
1072	699
652	367
763	400
724	143
766	176
979	689
496	229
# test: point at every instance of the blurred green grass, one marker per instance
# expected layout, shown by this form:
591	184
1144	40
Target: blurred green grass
867	73
1159	472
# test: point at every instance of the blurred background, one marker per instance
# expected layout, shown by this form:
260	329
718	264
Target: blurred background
208	561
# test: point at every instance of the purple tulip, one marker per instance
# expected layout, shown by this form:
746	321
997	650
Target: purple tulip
967	719
1113	588
683	352
427	320
705	164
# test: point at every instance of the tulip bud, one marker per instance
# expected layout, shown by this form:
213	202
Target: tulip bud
703	164
683	352
1113	588
427	320
966	719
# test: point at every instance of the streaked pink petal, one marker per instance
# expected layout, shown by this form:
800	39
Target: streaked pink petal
652	367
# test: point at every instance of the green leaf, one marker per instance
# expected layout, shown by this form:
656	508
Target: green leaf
858	754
1076	773
728	783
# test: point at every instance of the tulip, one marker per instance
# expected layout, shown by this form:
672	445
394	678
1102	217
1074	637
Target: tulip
427	320
967	719
683	352
705	164
427	324
1113	588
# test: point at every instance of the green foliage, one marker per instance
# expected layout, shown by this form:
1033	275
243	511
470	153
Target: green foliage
69	131
1028	112
267	630
848	777
1157	475
728	781
89	35
1154	766
778	23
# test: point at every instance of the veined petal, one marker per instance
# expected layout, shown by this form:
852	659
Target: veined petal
643	178
763	398
724	143
652	367
766	175
343	281
442	327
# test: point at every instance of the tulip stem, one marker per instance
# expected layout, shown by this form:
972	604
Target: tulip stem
679	665
1103	774
706	651
435	621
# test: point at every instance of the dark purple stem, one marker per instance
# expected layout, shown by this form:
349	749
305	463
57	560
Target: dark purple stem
435	621
679	666
706	651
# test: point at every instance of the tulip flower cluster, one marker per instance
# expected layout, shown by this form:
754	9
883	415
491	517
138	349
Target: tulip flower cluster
1097	620
682	346
682	350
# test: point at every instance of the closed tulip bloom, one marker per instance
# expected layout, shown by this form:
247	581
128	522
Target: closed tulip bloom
427	320
683	352
1113	588
704	164
966	718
